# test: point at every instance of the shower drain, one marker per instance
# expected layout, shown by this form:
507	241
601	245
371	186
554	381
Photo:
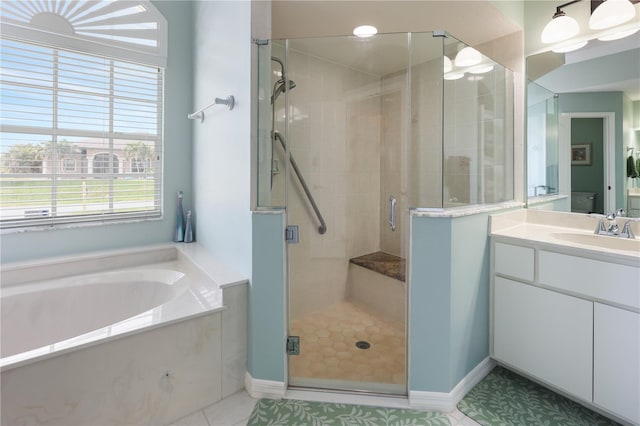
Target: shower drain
361	344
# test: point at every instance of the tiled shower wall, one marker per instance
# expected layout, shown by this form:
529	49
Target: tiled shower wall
334	138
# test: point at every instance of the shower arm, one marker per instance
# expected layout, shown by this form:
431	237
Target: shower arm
323	226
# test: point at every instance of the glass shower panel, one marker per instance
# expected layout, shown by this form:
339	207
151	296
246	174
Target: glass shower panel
424	157
346	124
478	129
270	165
542	141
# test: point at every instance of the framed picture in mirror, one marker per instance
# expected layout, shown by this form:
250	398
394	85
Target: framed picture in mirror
581	154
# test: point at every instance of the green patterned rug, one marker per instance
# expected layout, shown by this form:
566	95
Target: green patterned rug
505	399
291	412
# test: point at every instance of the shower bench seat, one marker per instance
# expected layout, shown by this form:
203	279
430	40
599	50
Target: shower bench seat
377	281
383	263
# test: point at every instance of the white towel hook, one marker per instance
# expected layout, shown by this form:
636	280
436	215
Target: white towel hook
229	101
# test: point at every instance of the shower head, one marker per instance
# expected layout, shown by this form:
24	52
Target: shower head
280	87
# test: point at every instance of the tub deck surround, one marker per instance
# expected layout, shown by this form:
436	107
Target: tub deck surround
182	347
182	282
383	263
571	233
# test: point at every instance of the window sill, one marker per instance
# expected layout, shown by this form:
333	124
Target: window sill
62	226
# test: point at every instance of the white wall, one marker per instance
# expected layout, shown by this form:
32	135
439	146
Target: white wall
222	143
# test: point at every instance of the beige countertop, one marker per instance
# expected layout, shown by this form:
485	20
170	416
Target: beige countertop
565	232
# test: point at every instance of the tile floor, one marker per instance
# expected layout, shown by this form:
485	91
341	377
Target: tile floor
236	410
328	350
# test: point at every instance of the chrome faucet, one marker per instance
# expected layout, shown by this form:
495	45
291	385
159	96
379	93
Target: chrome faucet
613	228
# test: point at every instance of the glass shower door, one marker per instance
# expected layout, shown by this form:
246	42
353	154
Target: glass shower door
342	119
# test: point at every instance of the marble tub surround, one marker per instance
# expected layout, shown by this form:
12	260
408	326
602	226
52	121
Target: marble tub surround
151	368
383	263
568	231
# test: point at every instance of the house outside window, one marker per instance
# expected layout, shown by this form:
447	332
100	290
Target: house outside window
82	111
68	165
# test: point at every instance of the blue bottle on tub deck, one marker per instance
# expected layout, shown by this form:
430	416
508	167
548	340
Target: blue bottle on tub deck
179	235
188	232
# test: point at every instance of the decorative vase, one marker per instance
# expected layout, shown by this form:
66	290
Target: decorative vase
179	235
188	233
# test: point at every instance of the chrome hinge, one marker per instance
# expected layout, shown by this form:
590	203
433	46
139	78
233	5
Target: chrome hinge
291	234
293	345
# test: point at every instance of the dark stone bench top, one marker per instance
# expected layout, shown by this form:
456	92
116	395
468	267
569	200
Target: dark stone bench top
382	263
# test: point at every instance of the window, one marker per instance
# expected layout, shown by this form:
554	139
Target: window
68	165
81	95
80	132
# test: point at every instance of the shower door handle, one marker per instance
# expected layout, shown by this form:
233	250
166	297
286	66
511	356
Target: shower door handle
392	212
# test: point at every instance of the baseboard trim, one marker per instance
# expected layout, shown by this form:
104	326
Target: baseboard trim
435	401
445	402
259	388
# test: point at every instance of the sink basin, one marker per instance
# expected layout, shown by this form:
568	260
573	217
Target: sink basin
602	241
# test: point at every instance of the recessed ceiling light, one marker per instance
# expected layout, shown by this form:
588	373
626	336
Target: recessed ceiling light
365	31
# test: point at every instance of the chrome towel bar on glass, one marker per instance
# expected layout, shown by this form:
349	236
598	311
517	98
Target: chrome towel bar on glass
229	101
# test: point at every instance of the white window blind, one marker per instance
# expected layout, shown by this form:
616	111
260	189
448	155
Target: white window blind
81	137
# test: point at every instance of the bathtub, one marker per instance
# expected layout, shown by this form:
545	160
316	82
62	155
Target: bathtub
140	336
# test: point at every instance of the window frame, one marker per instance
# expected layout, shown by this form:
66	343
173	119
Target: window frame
31	221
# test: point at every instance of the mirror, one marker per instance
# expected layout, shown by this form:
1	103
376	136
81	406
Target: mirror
583	122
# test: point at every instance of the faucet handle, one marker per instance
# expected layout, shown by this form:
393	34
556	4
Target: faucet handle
601	228
620	213
611	215
626	230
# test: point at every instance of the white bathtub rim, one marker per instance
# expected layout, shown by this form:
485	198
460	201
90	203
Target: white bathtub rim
214	268
203	299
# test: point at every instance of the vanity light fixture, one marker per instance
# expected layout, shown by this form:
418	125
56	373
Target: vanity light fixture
611	13
570	47
365	31
468	57
448	65
453	75
619	35
561	27
481	69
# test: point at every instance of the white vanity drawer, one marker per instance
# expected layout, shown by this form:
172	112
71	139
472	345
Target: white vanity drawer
514	261
606	281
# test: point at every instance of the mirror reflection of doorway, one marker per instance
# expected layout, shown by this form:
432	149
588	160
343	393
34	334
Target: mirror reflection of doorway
584	141
587	165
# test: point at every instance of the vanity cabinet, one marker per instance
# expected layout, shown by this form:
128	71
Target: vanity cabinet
616	360
570	322
544	333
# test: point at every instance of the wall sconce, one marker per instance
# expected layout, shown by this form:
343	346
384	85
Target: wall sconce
611	13
561	27
467	57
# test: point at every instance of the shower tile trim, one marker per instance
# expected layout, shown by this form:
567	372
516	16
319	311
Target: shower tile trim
465	210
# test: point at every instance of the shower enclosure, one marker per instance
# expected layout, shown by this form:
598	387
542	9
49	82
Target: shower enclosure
353	135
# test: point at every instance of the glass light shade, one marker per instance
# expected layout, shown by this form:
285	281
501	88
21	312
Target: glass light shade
559	29
365	31
448	65
481	69
611	13
619	35
453	75
570	47
468	57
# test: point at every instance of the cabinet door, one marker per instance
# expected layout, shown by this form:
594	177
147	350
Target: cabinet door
545	334
616	361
